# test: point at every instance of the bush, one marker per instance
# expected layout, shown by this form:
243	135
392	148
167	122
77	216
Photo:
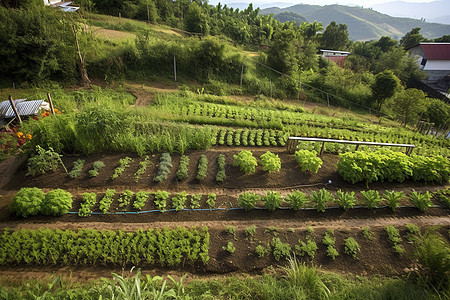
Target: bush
44	161
96	168
27	202
351	247
245	161
77	168
182	172
296	200
270	162
56	203
247	200
308	160
421	201
202	168
273	200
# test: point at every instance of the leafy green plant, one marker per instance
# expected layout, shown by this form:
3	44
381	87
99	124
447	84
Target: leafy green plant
44	161
143	165
182	172
393	198
165	164
270	162
412	232
231	230
88	202
319	199
308	160
179	201
273	230
221	175
247	200
56	202
371	198
161	200
272	200
443	197
345	200
351	247
123	164
125	199
306	248
195	201
27	202
229	248
394	237
250	232
202	169
105	202
261	251
296	200
211	200
280	249
245	161
77	168
420	200
141	199
329	240
368	234
97	165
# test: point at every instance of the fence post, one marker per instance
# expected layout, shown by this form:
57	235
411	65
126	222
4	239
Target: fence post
14	109
52	109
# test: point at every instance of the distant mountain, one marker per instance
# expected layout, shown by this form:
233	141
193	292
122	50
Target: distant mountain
363	24
436	11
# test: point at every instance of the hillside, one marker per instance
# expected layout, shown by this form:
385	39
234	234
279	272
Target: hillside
363	23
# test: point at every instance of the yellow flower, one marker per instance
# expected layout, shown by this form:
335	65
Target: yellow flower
29	136
20	135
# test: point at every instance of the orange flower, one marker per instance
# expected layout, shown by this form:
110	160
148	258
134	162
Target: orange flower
45	114
57	111
29	136
20	135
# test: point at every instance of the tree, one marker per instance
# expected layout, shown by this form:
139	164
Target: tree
195	20
335	37
311	30
409	105
384	87
385	43
438	112
411	38
281	55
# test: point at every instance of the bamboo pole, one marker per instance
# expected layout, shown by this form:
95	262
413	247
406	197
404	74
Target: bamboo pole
52	109
14	109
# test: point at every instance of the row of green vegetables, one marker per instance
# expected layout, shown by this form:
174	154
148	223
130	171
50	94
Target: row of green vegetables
164	247
308	246
32	201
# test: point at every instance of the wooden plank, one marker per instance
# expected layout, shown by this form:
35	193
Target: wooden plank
349	142
14	109
52	109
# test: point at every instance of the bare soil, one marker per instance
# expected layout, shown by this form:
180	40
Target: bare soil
376	257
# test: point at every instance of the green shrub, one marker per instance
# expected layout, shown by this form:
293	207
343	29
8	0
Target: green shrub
96	168
56	202
27	202
161	200
371	198
247	200
308	160
421	201
44	161
296	200
77	168
351	247
165	164
319	199
393	198
245	161
280	249
123	164
309	248
179	201
105	202
270	162
182	172
202	169
221	175
345	200
211	200
141	199
229	248
272	200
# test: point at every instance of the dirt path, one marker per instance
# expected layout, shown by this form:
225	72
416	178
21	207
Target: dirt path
145	94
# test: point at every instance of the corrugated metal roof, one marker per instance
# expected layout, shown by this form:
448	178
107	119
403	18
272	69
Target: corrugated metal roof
24	108
436	51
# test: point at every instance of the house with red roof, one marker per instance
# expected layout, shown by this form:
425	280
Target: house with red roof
434	59
338	57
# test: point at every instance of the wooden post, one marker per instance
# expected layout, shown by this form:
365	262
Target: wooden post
321	149
175	67
52	109
328	99
82	66
14	109
242	74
